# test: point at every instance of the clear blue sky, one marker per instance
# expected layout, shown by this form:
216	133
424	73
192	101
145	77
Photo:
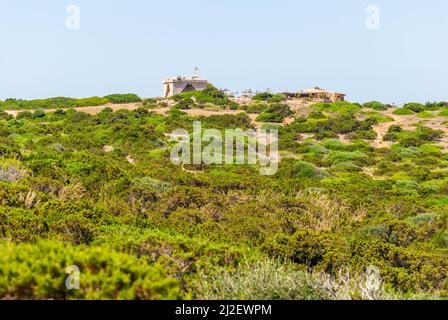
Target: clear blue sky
130	46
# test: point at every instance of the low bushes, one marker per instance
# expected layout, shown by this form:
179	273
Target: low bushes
443	113
425	115
263	280
240	120
39	272
414	107
276	112
69	195
403	112
337	107
429	106
300	170
63	102
54	103
420	136
255	108
376	105
269	97
184	104
346	156
346	166
123	98
340	124
12	170
210	95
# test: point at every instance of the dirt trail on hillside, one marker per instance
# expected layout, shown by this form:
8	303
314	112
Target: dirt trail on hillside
407	122
162	111
299	107
89	110
210	112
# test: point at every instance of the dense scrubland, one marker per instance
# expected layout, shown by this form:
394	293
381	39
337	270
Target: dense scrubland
148	229
63	102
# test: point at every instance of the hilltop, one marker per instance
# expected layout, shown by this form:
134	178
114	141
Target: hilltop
92	185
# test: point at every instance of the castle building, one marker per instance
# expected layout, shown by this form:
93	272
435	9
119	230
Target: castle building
176	85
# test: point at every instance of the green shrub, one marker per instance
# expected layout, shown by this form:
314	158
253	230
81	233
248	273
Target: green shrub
263	96
346	166
334	144
317	115
407	187
309	248
443	113
415	107
123	98
314	148
38	271
421	219
185	104
337	107
18	224
227	121
441	239
425	115
25	115
264	280
394	129
376	105
53	103
301	169
5	116
403	112
256	108
378	118
431	150
406	152
346	156
381	232
269	97
433	106
210	95
39	113
276	112
389	137
363	134
420	136
325	134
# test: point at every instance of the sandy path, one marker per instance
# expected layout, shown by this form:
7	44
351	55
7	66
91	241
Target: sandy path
296	105
133	106
90	110
407	122
210	112
300	108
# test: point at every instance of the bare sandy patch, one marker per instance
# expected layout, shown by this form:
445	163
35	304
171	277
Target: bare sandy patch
407	122
108	149
130	159
89	110
211	112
